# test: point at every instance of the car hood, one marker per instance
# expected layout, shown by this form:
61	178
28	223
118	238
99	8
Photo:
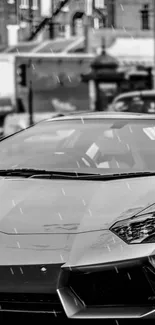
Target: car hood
47	216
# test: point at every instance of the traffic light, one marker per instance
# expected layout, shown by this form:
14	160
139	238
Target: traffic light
149	78
21	75
51	29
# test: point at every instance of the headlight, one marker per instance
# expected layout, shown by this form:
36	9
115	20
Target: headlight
140	228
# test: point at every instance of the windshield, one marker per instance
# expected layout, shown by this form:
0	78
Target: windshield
89	145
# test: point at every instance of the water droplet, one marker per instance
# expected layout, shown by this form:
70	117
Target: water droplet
63	191
21	211
128	186
21	270
82	120
54	312
18	244
108	248
60	216
78	164
13	203
116	269
75	301
84	203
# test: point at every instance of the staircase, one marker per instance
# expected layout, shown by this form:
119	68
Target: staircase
48	21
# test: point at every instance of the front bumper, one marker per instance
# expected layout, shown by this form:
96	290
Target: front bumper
112	291
108	291
30	290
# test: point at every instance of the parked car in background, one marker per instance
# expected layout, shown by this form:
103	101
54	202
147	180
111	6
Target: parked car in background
16	122
19	119
136	101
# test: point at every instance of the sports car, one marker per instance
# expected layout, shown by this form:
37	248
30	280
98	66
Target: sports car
77	218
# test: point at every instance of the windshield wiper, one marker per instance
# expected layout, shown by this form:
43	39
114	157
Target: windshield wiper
119	175
58	174
42	173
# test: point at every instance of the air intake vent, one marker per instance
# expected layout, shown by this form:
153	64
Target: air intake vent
112	287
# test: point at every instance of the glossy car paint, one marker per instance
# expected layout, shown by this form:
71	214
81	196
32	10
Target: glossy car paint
68	219
49	226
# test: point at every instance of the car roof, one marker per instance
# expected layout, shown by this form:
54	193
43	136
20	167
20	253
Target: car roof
135	93
104	115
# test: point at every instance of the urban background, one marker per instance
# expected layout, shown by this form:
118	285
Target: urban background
26	15
68	55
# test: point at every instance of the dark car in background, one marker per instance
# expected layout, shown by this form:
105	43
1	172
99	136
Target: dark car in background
6	108
136	101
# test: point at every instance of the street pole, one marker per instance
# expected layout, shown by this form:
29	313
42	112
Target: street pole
51	23
86	34
17	11
53	5
31	16
4	18
30	93
87	25
92	86
153	1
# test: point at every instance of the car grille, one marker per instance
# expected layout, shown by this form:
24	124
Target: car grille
124	287
30	289
32	304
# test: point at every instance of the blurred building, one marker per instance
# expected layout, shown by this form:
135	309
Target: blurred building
71	20
72	17
133	14
3	23
26	15
118	14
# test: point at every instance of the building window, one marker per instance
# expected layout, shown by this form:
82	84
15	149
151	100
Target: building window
35	5
65	9
24	4
99	4
11	2
145	21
